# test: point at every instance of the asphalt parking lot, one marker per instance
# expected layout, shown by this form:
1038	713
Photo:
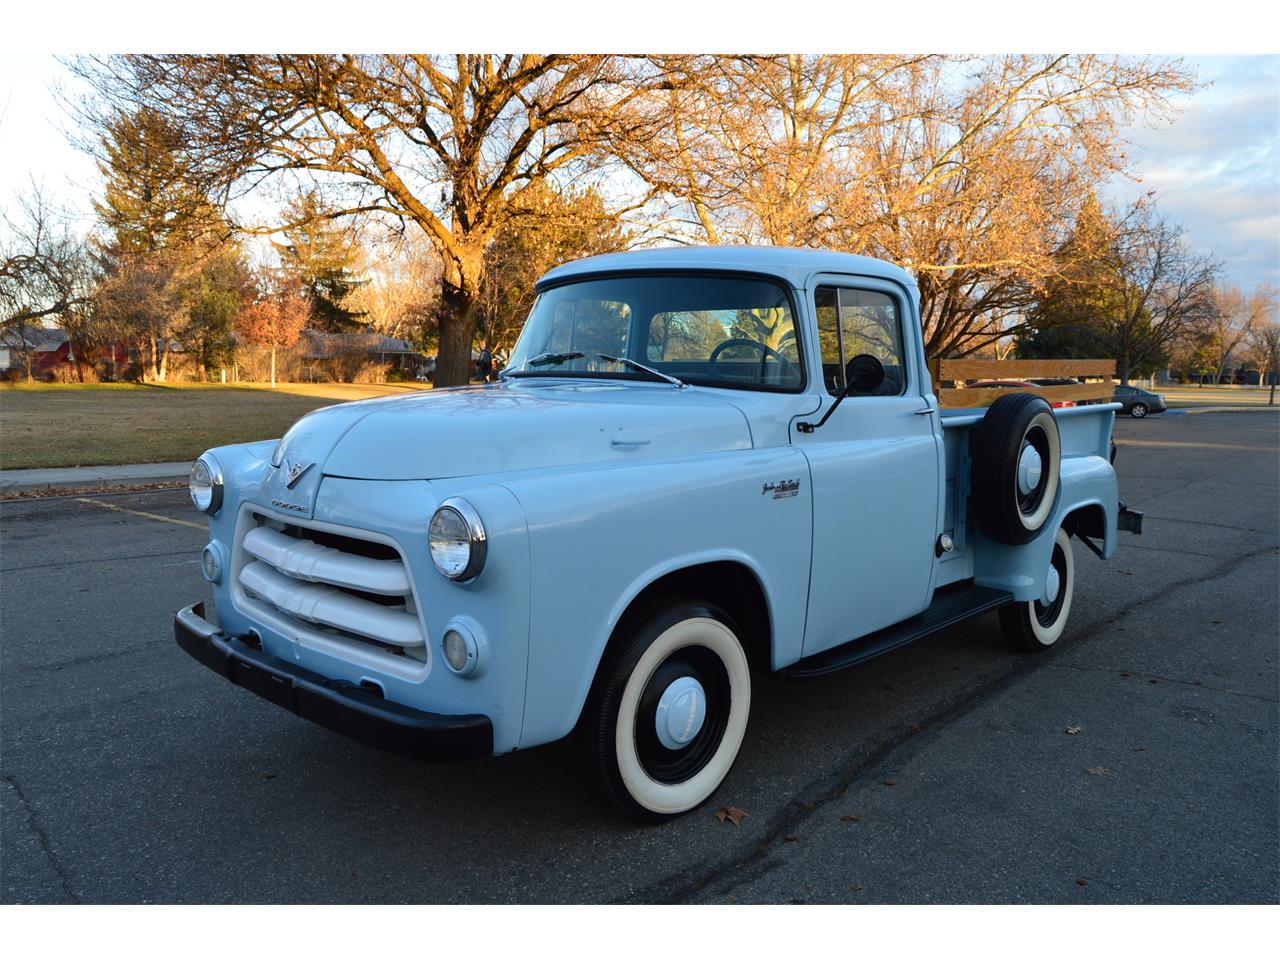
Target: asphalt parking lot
943	772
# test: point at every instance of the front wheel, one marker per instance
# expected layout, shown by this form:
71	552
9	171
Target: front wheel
1037	625
664	724
1138	411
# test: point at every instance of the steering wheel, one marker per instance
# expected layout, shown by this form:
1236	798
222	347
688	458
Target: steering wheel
766	351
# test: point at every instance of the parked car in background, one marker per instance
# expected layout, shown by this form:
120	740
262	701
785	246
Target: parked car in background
1028	385
1138	402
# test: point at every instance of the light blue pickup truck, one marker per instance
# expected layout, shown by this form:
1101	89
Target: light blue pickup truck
701	465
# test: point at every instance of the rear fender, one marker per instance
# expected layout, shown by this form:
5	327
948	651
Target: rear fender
1086	481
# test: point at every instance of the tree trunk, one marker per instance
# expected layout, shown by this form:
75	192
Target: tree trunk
1122	368
457	328
273	366
163	369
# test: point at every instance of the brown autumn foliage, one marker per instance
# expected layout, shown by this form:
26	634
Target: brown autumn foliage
969	171
274	320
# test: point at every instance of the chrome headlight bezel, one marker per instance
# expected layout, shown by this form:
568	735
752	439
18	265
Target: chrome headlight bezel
214	484
477	540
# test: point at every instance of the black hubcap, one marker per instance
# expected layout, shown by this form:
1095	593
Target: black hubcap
677	766
1048	615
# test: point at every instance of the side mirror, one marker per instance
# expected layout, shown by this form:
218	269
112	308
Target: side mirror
863	374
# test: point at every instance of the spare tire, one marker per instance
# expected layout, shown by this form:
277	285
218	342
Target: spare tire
1017	457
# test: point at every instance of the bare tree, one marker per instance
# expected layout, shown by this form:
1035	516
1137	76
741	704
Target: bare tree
1159	287
44	269
1264	345
970	171
1233	315
446	143
401	288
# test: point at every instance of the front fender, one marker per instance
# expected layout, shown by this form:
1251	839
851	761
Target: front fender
599	535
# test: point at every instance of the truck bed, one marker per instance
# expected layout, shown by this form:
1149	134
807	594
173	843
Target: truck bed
1085	432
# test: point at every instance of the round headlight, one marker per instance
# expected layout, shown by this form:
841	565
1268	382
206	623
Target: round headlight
457	540
205	484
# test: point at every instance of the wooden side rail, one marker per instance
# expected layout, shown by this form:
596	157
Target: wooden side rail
976	395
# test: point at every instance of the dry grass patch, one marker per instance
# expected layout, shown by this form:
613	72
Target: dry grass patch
68	425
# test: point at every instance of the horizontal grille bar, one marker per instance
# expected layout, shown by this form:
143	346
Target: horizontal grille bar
317	603
306	560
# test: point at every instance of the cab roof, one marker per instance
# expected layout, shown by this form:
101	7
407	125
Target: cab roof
794	264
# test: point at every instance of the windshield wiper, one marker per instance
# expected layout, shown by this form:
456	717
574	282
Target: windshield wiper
542	360
627	361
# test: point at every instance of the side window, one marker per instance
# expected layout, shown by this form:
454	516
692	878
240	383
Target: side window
853	322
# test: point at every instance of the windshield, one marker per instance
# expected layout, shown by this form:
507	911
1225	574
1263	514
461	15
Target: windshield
713	331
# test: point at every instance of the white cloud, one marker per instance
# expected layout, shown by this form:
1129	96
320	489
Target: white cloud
1216	168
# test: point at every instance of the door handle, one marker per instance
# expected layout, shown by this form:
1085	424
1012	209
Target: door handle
925	412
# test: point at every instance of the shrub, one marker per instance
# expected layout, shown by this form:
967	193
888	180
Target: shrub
370	373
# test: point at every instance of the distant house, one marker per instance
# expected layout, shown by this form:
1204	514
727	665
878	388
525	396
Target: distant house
50	348
320	348
47	348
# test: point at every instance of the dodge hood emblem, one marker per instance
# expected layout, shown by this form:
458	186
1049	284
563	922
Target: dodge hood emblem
293	472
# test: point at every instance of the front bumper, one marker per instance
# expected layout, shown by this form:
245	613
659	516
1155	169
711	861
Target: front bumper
337	705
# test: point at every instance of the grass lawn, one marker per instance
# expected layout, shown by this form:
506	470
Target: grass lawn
68	425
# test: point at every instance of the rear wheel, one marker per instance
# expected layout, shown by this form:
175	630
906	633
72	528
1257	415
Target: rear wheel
1138	410
1038	624
664	724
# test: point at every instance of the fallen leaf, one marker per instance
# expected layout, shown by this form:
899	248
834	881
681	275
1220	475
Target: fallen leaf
916	727
1097	771
353	874
1154	680
891	783
808	804
1073	730
1139	749
1082	882
732	814
1126	675
851	818
858	889
268	776
791	838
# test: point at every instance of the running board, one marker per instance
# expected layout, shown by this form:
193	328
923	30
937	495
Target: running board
948	609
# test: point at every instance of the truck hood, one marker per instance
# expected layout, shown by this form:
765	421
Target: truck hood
516	425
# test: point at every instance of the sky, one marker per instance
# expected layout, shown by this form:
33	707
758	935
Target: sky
1215	167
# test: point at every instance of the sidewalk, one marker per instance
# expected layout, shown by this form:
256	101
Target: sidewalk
68	478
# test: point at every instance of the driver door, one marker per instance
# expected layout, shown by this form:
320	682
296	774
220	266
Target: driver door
875	468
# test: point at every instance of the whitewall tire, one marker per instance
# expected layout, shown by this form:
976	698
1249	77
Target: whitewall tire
1038	624
669	710
1017	458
